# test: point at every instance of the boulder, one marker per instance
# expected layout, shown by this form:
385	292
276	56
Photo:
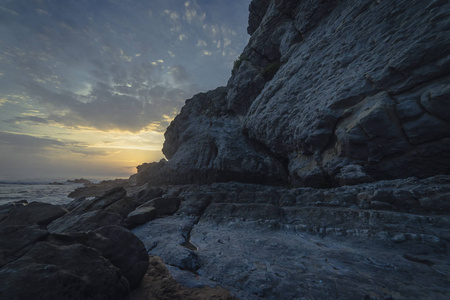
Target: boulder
123	206
16	240
49	271
6	208
89	214
141	215
122	248
99	264
33	213
99	202
73	222
164	206
148	194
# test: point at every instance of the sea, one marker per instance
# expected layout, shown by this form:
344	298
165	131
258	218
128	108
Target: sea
54	192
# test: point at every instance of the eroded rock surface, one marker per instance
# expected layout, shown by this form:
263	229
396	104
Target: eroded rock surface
205	144
159	284
80	258
322	85
376	240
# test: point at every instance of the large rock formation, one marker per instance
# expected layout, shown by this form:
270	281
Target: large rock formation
345	102
322	85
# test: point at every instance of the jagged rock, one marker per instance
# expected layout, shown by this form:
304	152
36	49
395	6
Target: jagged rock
98	264
352	174
123	206
33	213
73	222
152	209
6	208
322	85
149	172
131	259
147	195
100	202
197	140
89	214
94	190
49	271
74	203
257	11
141	215
244	86
80	180
16	240
164	206
347	80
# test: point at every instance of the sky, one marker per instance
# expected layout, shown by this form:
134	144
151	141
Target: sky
88	87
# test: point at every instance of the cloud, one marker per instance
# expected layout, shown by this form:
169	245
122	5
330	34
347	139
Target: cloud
29	119
112	66
119	107
3	101
33	145
28	141
179	73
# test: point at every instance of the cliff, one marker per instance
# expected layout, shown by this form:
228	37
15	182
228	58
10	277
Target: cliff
323	163
326	93
321	171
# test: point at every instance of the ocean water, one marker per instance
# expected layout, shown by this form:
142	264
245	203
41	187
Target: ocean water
11	191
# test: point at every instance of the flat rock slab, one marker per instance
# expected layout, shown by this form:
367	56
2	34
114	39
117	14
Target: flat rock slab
264	242
257	262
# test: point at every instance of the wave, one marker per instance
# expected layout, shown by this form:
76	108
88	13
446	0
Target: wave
21	182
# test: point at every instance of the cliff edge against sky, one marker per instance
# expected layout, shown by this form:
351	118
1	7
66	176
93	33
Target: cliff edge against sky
338	111
326	93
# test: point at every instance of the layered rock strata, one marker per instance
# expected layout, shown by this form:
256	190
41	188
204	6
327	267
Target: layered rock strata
384	240
348	102
322	85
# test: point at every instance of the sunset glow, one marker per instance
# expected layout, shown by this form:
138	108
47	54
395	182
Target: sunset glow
88	88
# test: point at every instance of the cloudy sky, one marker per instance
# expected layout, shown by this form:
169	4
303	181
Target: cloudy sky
87	87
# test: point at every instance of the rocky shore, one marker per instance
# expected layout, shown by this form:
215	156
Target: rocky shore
321	171
83	250
384	240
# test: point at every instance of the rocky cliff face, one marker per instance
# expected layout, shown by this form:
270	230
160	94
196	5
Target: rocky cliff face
326	93
332	97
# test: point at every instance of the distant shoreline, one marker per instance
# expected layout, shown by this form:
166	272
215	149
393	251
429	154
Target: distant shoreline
65	181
